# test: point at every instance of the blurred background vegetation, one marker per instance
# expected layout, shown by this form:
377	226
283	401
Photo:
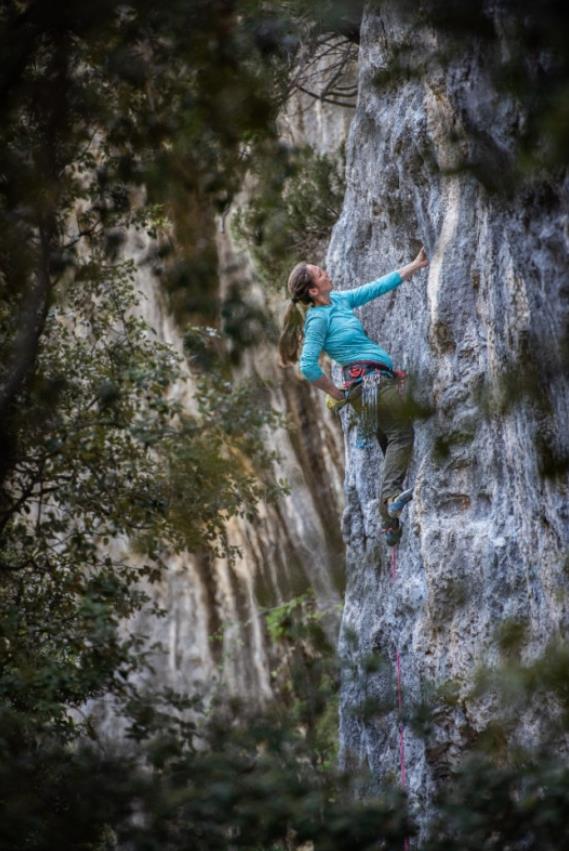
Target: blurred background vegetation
131	116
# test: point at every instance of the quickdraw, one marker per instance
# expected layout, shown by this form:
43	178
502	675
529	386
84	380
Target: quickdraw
369	375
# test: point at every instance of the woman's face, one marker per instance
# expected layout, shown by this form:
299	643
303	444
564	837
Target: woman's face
321	285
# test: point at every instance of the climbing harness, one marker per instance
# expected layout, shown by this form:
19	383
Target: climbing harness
369	375
366	375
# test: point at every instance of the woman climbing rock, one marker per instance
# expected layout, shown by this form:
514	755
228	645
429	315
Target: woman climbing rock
322	319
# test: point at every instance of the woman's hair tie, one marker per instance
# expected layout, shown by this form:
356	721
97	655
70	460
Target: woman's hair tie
295	300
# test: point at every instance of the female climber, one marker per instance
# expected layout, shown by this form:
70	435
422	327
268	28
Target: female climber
322	319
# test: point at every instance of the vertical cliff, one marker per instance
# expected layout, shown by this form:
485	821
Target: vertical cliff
483	334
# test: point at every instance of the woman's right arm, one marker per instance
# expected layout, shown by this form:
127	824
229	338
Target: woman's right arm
315	330
328	386
420	261
361	295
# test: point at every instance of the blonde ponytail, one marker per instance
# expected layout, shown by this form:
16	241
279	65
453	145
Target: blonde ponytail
292	335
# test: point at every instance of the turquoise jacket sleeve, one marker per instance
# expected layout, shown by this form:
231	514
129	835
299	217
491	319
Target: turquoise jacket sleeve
315	330
367	292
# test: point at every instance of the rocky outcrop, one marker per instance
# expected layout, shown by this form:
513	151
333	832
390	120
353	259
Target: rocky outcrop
483	335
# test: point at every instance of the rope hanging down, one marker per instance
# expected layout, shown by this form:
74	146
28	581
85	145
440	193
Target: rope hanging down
401	729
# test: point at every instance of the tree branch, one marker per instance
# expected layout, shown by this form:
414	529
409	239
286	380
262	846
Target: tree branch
323	98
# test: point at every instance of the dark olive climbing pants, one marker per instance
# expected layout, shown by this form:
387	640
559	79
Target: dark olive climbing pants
394	433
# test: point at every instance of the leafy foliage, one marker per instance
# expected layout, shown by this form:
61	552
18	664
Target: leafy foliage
102	98
507	793
306	679
297	201
109	479
118	117
236	785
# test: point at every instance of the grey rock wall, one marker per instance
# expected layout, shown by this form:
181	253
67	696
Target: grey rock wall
486	536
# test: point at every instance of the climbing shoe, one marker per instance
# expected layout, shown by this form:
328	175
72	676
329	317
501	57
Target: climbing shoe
393	532
395	506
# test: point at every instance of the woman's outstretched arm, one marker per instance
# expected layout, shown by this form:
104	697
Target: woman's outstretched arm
361	295
420	261
327	385
315	330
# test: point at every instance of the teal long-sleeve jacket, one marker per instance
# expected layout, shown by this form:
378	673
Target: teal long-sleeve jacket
334	328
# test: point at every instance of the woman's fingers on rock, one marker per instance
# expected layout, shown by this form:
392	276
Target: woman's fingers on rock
422	259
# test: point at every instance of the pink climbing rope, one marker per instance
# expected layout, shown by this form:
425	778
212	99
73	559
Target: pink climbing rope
402	761
393	563
401	376
401	737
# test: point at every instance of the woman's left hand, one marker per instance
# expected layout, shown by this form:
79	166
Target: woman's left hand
420	261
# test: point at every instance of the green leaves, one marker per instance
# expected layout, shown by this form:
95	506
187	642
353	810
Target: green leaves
110	478
298	199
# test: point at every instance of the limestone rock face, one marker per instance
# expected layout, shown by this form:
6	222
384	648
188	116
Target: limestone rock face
486	537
